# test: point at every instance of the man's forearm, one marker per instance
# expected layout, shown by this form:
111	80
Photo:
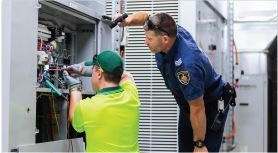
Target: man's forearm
75	97
198	123
198	118
137	18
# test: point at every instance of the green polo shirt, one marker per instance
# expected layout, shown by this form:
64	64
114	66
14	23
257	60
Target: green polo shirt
110	119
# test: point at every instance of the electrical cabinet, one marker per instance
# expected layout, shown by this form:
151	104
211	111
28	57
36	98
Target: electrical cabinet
47	36
255	92
210	33
251	112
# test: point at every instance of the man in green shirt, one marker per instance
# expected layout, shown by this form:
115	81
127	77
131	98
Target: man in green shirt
110	119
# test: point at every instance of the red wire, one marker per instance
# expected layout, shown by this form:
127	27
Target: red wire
236	52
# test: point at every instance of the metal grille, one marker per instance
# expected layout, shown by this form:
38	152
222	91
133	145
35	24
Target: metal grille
158	120
108	8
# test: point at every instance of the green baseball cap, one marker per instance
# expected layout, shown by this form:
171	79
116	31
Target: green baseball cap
108	61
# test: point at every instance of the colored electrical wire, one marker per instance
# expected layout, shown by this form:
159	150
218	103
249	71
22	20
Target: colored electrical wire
70	145
236	52
42	95
58	127
51	100
232	134
68	124
41	42
52	130
56	69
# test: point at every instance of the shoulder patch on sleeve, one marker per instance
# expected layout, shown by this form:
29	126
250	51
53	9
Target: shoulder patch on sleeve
184	77
178	62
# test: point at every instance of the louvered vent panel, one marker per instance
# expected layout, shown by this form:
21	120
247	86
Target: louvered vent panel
158	120
108	8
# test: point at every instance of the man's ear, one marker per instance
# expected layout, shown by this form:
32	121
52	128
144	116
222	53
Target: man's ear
93	71
165	39
99	74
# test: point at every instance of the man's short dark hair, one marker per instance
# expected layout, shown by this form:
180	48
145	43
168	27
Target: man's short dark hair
111	77
164	21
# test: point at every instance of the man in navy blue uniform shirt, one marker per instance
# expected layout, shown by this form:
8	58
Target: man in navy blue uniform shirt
189	75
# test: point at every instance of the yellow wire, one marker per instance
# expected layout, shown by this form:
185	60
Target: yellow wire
48	95
43	95
58	128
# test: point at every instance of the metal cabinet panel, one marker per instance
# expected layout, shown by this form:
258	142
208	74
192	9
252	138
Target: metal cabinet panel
22	106
251	110
70	145
251	115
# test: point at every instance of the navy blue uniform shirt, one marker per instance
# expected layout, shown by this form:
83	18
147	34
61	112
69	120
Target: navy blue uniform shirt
187	71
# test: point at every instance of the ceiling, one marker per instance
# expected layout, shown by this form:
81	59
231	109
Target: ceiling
255	22
255	10
248	10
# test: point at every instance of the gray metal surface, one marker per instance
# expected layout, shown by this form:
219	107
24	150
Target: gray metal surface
85	49
251	114
96	5
254	63
66	14
70	145
6	71
104	34
251	110
229	64
116	32
230	37
210	29
96	11
21	81
218	7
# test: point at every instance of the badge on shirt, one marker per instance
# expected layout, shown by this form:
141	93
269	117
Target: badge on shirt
183	77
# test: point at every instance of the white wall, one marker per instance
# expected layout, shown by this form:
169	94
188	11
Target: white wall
187	16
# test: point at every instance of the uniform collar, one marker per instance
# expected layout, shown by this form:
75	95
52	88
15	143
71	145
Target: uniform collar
110	90
170	55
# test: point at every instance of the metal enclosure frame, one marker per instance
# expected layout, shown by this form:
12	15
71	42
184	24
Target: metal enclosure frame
21	100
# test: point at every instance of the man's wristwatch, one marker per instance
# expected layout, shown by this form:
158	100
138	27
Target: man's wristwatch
199	143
